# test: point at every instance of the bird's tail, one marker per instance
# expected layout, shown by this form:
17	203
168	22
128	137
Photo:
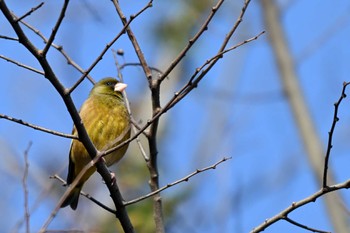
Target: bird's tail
73	198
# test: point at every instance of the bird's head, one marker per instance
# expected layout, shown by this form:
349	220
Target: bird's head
108	86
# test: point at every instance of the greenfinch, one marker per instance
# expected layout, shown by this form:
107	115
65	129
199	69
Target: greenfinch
107	123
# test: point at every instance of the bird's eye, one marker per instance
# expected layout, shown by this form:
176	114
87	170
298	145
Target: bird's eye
110	84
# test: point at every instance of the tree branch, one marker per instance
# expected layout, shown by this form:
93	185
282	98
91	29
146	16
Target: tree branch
55	29
330	137
22	65
192	41
19	121
30	11
304	226
297	205
184	179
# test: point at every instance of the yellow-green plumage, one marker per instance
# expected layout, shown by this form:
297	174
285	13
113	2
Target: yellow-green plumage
106	121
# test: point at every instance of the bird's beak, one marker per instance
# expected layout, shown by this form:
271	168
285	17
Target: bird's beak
120	87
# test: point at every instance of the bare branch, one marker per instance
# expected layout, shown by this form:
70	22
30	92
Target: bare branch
304	226
30	11
132	37
19	121
184	179
55	29
99	58
8	38
330	137
297	205
22	65
139	64
58	48
192	41
154	85
57	177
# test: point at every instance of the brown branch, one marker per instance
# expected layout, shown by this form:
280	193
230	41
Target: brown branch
192	41
154	85
22	65
107	47
132	37
19	121
55	29
30	11
330	137
58	48
304	226
8	38
297	205
184	179
121	67
88	196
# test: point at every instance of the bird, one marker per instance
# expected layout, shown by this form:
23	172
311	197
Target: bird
106	120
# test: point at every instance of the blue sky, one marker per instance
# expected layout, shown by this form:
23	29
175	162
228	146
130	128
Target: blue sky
238	110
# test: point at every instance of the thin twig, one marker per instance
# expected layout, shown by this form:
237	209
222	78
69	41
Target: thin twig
55	29
132	37
184	179
8	38
296	205
88	196
220	55
121	67
30	11
22	65
99	57
330	134
25	188
154	85
192	41
19	121
304	226
58	48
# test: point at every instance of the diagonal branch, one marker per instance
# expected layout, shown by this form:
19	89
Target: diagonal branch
304	226
58	48
55	29
107	47
133	39
184	179
30	11
19	121
22	65
297	205
192	41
